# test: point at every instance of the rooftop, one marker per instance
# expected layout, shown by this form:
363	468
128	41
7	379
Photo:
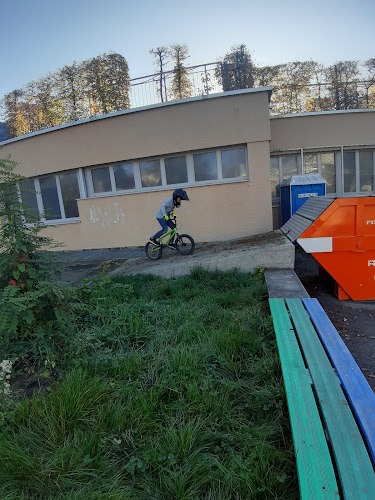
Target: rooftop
144	108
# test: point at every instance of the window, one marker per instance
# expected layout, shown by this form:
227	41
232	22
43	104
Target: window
70	193
310	163
275	177
349	172
53	196
28	196
150	173
50	197
221	166
205	166
323	163
124	176
290	166
366	165
101	180
176	170
328	171
233	163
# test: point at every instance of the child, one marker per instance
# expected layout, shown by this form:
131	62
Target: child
164	212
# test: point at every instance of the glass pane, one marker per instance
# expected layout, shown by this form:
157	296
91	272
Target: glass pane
28	196
150	173
205	166
176	170
234	163
310	163
124	176
275	177
349	172
70	193
50	198
329	171
101	180
365	170
290	168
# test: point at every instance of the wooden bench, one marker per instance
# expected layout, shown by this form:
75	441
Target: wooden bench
333	458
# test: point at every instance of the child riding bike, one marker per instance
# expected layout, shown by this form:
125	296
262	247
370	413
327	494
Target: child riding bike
163	214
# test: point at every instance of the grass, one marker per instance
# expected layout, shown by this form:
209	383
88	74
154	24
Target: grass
171	389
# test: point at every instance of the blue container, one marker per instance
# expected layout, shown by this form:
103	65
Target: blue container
296	190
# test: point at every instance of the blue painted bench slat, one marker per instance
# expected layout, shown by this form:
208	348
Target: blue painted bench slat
358	391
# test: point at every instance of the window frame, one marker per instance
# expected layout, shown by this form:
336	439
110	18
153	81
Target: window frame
191	182
39	199
339	167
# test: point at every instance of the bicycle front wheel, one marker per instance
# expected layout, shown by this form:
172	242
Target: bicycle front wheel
185	244
153	252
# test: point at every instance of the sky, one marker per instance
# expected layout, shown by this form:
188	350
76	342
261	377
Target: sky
40	36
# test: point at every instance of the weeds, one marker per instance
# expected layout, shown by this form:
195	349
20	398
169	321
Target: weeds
171	389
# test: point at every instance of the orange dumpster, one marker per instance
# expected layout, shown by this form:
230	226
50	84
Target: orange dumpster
342	239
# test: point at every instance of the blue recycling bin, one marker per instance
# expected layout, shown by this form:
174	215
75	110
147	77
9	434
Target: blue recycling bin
296	190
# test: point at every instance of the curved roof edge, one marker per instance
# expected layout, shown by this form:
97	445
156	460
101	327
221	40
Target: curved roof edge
316	113
143	108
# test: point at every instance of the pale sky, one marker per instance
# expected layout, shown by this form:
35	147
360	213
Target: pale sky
40	36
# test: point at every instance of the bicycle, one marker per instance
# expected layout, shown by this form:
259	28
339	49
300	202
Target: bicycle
184	244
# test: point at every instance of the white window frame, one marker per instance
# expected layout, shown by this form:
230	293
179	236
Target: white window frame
164	186
189	169
247	176
339	166
39	199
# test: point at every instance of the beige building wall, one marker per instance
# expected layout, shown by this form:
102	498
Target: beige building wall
186	126
326	129
215	212
321	130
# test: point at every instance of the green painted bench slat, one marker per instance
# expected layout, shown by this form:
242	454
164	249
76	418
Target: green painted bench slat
315	470
352	459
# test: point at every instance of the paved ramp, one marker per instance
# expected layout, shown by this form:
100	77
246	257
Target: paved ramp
270	250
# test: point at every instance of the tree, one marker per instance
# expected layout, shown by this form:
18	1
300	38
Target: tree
3	132
13	111
181	85
71	90
43	94
370	83
266	75
342	84
107	83
297	76
318	99
236	70
161	59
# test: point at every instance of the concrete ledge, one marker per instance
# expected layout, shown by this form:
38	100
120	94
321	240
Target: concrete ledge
285	284
270	251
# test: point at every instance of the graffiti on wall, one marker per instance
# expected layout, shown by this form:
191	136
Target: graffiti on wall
108	216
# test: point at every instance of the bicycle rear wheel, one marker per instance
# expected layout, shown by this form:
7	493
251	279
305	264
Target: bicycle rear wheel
153	252
185	244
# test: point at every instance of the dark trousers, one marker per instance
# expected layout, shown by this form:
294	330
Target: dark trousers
165	224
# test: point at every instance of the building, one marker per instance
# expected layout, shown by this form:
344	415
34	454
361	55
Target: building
99	182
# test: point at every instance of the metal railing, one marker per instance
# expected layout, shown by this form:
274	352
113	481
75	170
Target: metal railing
146	89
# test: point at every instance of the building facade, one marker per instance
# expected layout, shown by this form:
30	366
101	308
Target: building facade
98	183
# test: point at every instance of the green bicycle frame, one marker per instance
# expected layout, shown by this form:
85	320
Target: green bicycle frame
171	234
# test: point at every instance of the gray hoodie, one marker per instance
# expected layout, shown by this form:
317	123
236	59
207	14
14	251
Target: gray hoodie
166	208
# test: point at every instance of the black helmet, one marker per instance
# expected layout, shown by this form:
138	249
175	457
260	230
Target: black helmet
180	193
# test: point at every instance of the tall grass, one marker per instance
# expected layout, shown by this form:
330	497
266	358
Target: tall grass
172	390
